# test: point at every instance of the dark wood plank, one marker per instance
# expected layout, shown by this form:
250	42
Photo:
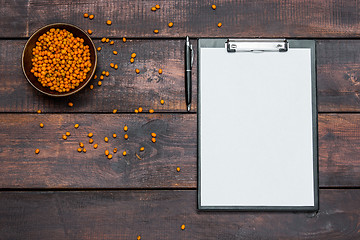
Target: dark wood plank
338	73
339	141
123	89
59	165
315	18
159	215
338	67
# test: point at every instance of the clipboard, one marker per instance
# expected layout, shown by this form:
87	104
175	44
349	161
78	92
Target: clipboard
257	125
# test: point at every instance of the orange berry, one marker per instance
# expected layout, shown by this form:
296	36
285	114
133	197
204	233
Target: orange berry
124	153
153	140
153	9
157	6
108	22
171	24
124	39
153	134
106	139
137	71
125	128
89	31
37	151
99	49
219	24
140	109
91	16
109	156
213	6
95	145
156	31
76	126
151	111
160	71
70	104
90	135
132	60
114	135
162	102
133	55
41	125
183	227
86	15
115	111
142	149
126	136
178	169
115	52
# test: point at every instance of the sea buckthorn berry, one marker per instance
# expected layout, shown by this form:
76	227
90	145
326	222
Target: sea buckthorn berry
99	83
84	150
151	111
183	227
162	101
95	146
79	150
115	111
90	135
37	151
132	60
64	137
91	86
157	6
156	31
124	153
106	139
178	169
95	76
108	22
41	125
81	144
99	49
107	40
76	125
153	134
103	72
114	135
171	24
213	6
107	74
137	71
67	134
153	9
124	39
115	150
153	140
133	55
89	31
101	77
91	140
116	66
125	128
38	111
142	149
91	16
140	109
160	71
112	42
103	39
219	24
126	136
136	111
86	15
115	52
70	104
109	156
106	152
112	65
138	237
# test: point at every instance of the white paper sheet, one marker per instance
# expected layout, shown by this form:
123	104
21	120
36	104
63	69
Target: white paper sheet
256	128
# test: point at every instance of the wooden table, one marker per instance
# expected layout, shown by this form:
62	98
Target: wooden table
63	194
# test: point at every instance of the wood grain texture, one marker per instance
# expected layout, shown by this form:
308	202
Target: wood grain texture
159	215
339	141
59	165
274	18
338	74
123	89
338	78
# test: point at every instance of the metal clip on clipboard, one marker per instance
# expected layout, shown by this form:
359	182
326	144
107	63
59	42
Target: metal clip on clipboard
256	45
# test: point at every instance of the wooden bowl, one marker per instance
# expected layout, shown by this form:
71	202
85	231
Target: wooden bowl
27	56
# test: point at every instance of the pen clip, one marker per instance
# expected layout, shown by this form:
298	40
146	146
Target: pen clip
192	55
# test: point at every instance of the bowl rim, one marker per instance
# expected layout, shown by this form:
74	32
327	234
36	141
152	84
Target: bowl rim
75	90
